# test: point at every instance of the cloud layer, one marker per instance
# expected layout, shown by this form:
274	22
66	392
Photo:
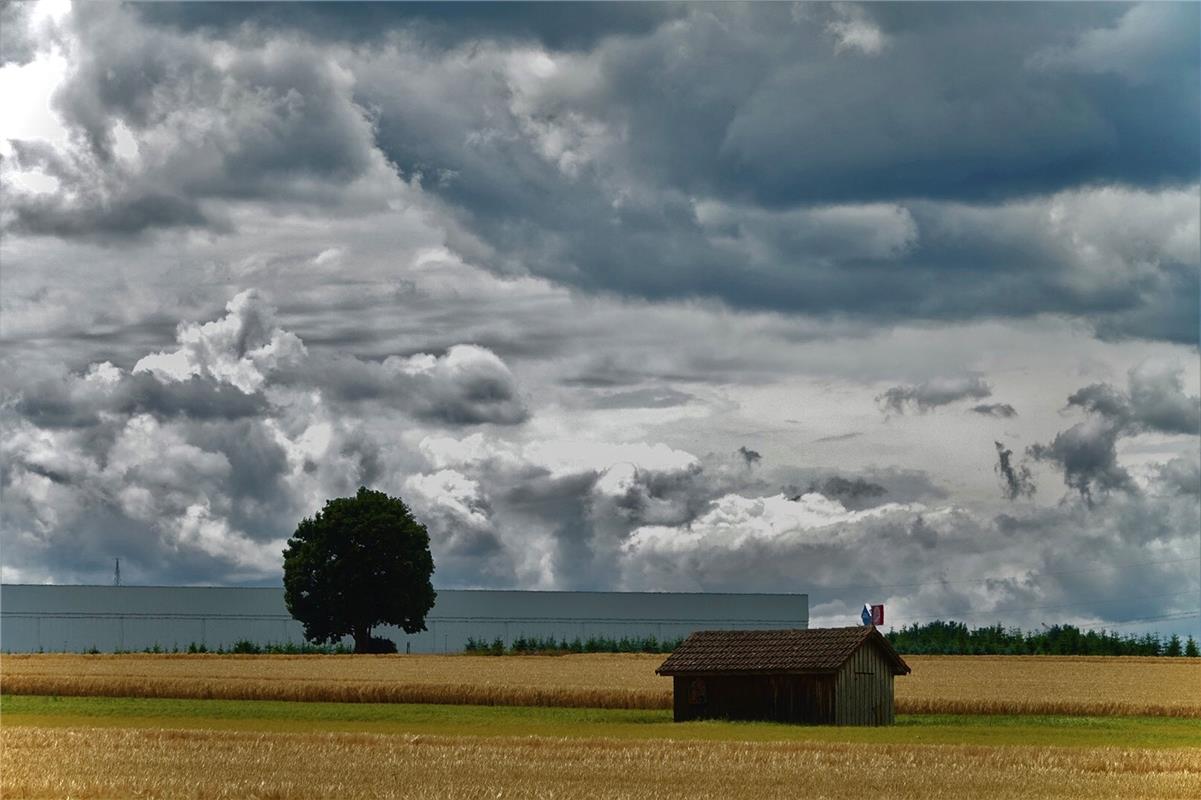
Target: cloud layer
716	297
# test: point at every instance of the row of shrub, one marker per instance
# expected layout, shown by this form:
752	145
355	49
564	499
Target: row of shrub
248	647
956	638
524	645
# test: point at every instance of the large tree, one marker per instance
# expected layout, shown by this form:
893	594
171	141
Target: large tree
361	561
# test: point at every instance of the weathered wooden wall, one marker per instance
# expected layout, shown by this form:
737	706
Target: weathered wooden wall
863	689
807	699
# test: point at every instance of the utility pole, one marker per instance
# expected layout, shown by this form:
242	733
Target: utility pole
117	574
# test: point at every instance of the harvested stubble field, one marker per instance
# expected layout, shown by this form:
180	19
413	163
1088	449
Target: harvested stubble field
92	763
1085	685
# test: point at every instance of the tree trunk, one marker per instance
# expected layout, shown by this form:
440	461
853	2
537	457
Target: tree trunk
362	639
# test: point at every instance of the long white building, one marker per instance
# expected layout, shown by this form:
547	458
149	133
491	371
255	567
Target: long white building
109	618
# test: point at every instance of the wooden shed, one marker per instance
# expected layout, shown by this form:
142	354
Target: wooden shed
819	676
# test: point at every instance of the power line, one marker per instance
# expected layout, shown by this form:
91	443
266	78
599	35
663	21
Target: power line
1018	610
1161	618
1027	574
1175	616
1092	602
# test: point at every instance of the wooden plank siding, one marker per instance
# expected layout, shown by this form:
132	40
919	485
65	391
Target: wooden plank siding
863	689
807	699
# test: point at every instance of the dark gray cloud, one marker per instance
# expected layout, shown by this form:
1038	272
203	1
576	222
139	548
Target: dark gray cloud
702	180
874	487
932	148
751	457
246	348
82	210
1068	552
931	394
264	123
854	493
467	386
841	437
1001	410
17	45
542	270
198	462
73	401
510	115
665	397
555	25
1017	479
1087	455
1154	402
1181	476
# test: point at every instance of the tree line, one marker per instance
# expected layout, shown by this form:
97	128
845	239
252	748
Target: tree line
956	638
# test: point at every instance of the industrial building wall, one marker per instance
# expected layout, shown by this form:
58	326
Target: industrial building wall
109	618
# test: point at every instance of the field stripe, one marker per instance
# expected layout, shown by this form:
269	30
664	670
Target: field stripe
572	723
92	762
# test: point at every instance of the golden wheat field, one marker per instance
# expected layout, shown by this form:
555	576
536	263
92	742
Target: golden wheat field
93	763
938	684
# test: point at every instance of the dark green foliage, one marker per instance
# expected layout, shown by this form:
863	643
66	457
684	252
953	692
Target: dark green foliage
955	638
379	644
525	646
360	562
1190	648
247	647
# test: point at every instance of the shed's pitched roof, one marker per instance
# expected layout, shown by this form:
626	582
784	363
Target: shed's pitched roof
811	650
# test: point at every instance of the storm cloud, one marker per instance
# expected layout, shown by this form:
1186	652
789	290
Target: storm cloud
1000	410
701	179
1155	402
562	277
1016	478
932	394
212	450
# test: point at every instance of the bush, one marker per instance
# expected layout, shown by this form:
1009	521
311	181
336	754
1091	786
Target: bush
380	645
246	646
524	645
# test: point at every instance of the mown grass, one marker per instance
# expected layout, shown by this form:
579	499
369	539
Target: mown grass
460	720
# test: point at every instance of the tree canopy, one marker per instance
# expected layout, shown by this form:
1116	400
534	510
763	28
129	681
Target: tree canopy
360	562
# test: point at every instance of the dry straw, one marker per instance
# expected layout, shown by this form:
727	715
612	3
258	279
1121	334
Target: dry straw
95	763
954	685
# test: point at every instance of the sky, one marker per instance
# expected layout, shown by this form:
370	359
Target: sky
883	303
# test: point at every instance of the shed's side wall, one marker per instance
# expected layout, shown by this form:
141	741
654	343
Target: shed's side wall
806	699
863	689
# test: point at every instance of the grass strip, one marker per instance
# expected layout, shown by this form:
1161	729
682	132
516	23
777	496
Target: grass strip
463	720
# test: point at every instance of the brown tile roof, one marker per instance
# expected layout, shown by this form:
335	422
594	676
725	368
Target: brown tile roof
812	650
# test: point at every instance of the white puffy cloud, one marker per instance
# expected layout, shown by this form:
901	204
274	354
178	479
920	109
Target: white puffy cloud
853	29
545	286
451	491
1133	47
241	348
